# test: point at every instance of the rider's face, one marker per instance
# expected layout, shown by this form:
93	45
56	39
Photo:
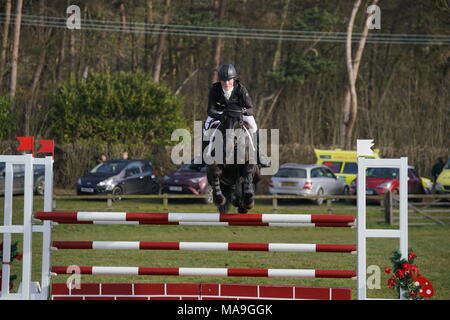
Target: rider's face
228	84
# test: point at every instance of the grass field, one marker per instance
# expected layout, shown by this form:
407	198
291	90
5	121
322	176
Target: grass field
431	243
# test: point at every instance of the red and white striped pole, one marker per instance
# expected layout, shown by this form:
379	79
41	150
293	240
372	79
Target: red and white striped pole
213	246
210	272
194	217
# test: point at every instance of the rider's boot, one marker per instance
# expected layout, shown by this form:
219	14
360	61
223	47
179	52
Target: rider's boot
263	159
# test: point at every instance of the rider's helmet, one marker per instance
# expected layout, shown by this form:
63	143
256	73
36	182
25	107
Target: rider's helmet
227	72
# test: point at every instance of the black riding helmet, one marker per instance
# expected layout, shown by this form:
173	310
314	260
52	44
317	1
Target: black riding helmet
227	72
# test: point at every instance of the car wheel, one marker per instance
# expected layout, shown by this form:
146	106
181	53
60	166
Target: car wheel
155	188
117	192
208	192
319	201
39	188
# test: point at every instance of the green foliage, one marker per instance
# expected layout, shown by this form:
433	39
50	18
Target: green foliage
298	68
6	118
115	108
315	19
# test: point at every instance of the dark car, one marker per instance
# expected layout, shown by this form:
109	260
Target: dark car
119	177
188	179
381	180
19	178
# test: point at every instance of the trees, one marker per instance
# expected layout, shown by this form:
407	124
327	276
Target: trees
115	108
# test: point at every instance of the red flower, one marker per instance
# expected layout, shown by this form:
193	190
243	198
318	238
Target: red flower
411	255
412	294
399	273
387	270
19	256
391	283
413	268
406	266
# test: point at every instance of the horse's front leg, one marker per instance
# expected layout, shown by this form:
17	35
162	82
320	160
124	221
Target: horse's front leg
249	190
213	174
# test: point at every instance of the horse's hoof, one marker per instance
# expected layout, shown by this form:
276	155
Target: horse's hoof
219	199
249	202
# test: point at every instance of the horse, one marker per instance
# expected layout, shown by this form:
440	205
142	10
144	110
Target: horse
233	183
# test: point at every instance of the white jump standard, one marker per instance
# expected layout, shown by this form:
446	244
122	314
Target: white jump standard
32	290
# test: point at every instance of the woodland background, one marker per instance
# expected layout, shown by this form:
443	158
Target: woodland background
98	90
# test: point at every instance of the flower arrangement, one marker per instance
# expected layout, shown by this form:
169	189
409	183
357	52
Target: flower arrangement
15	255
405	276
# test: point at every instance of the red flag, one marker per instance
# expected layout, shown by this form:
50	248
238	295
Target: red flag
26	143
47	146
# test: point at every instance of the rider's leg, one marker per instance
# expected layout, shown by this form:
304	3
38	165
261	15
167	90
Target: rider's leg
262	158
212	174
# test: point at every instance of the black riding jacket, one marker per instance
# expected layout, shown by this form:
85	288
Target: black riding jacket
239	99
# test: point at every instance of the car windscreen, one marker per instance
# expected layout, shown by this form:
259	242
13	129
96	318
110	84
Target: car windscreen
291	173
388	173
333	165
447	165
191	168
351	168
110	167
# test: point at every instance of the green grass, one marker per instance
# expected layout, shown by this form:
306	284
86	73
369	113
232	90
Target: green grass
431	243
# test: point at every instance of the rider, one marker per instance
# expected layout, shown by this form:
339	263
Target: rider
230	93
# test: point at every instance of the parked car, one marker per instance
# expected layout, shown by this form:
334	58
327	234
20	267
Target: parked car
306	179
19	178
119	177
188	179
381	180
443	180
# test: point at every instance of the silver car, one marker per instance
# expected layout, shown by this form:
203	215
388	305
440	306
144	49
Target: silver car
306	179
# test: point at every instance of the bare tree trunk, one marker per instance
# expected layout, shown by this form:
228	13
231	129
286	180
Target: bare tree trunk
72	52
16	45
123	21
60	59
33	88
148	37
161	44
221	5
5	40
350	106
277	56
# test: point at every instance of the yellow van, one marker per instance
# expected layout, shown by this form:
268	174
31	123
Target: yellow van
443	180
342	162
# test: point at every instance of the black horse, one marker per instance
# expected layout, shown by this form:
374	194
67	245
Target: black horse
234	183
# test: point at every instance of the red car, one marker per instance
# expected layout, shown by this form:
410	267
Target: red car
380	180
188	179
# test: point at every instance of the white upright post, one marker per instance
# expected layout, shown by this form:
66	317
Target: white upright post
27	227
47	226
361	233
7	219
